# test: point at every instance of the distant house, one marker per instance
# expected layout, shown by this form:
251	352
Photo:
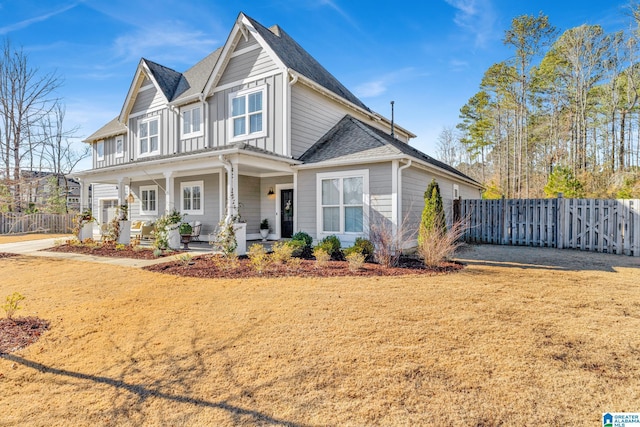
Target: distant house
260	129
37	189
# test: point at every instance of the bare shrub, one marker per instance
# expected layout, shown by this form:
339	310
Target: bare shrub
225	262
355	260
185	259
437	245
282	252
258	258
322	257
388	240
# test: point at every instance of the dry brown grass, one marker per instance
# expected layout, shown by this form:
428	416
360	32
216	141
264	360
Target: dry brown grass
491	345
12	238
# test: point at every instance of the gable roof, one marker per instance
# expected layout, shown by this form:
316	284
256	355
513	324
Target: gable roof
352	140
166	78
293	56
113	128
194	80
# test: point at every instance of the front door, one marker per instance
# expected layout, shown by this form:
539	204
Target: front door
286	213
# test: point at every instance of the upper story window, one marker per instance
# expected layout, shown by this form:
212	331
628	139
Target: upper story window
247	113
119	146
192	197
343	201
148	200
148	137
192	121
100	150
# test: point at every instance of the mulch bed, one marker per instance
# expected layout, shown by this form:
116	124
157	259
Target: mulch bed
7	255
205	266
19	332
108	250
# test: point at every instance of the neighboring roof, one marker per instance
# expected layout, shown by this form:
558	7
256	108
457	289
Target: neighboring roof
166	78
352	139
195	78
298	59
114	127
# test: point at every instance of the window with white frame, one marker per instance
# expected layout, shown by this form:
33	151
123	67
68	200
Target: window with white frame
247	112
192	121
456	192
119	146
192	197
148	200
149	137
100	150
343	201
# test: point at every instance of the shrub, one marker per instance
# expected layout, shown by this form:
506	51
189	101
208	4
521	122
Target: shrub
299	249
355	260
157	252
433	213
322	256
361	246
282	252
12	304
331	244
436	246
225	262
185	259
185	229
294	263
120	247
388	240
301	236
258	258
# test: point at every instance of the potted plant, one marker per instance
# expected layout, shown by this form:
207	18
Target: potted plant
84	225
264	229
167	233
185	231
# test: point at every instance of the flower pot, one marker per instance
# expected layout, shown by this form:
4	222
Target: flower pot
86	232
264	232
240	229
125	232
173	237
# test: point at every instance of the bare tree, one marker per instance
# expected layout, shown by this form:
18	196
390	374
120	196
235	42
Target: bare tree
26	97
449	147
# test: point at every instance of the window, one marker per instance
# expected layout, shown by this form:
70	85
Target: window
456	192
191	197
119	146
343	201
247	112
149	200
192	121
100	150
148	137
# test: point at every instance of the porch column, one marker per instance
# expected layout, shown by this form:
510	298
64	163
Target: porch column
232	188
121	191
84	195
169	191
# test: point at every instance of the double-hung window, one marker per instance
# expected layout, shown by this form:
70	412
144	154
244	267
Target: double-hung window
247	113
119	146
149	137
191	198
149	200
191	121
100	150
343	202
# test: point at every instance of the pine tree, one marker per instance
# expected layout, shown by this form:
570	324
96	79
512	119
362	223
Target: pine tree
433	219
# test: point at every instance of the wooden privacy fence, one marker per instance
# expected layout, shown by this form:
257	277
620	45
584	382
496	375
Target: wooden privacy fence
611	226
35	223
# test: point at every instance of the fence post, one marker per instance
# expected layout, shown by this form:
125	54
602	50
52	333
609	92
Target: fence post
560	222
503	210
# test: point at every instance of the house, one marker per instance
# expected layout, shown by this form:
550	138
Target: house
40	187
259	129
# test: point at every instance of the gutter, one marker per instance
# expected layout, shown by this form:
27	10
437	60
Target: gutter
399	192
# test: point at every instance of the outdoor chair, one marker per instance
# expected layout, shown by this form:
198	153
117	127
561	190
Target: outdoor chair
196	227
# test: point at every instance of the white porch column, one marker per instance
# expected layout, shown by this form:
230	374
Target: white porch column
295	202
232	188
169	191
121	191
84	195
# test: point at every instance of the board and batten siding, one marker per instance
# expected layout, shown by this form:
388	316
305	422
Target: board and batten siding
219	112
211	199
249	202
167	131
380	197
194	143
101	192
110	158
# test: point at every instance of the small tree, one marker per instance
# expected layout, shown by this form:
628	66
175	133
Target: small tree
433	219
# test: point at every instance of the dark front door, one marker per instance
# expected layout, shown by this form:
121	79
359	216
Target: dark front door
286	213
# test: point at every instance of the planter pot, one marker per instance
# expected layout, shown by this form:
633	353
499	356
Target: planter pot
173	238
125	232
264	232
86	232
240	229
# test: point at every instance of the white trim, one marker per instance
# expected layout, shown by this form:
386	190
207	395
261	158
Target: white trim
245	93
247	80
192	184
246	50
456	191
148	120
146	87
147	112
148	188
121	153
279	187
364	173
395	191
99	157
191	133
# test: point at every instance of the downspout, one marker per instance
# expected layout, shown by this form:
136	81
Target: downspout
229	168
400	219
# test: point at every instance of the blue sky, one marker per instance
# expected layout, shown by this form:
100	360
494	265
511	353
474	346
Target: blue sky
428	56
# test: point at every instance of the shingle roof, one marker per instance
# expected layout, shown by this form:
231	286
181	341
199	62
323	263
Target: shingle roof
350	139
167	78
195	78
298	59
114	127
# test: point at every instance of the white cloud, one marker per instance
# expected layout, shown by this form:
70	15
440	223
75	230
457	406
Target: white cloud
458	65
27	22
476	17
379	85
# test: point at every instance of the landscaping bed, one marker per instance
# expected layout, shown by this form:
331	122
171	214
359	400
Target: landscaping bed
109	250
19	332
208	266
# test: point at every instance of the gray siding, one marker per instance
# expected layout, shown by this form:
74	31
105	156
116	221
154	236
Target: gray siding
268	206
190	144
110	158
247	65
249	197
167	132
219	113
242	43
101	192
148	99
211	216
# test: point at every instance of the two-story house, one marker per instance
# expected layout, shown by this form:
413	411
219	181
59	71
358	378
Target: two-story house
259	128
